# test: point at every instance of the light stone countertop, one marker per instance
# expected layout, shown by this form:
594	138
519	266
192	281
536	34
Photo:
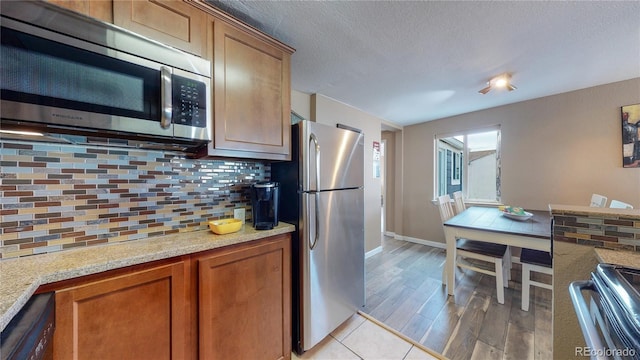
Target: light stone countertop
618	257
593	211
21	277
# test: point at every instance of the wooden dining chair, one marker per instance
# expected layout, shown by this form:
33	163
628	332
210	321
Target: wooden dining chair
620	205
444	205
534	261
458	202
496	258
598	200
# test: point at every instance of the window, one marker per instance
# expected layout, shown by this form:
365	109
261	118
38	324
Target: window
456	159
469	162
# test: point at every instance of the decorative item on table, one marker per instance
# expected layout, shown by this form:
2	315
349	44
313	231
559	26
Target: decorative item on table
225	226
515	213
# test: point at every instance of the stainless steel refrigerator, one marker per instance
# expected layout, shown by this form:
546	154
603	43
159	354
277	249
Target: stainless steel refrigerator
322	193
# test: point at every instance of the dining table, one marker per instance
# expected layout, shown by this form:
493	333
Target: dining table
489	224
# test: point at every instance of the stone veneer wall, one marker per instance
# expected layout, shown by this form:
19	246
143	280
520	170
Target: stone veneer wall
611	231
55	197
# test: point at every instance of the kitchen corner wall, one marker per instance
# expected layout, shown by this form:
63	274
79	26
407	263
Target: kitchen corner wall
56	197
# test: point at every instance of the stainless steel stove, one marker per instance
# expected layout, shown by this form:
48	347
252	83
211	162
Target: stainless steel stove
611	322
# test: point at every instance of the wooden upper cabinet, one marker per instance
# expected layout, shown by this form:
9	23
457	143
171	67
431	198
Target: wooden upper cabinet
136	315
173	23
251	94
99	9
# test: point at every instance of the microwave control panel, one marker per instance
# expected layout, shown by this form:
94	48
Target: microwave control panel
189	102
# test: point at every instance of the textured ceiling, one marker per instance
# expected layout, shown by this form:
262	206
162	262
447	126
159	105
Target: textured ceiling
413	61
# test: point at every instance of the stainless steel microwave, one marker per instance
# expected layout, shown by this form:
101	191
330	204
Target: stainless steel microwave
63	71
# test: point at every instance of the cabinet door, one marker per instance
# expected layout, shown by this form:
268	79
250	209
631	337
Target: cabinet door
245	301
99	9
141	315
171	22
252	94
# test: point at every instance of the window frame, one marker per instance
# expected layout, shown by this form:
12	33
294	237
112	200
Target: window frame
465	164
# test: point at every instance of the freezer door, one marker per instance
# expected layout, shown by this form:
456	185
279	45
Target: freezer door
332	262
332	156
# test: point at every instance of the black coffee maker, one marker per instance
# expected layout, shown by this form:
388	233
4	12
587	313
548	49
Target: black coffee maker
264	201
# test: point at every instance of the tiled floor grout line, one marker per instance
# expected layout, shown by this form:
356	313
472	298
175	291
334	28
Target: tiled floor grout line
401	335
348	348
356	336
346	336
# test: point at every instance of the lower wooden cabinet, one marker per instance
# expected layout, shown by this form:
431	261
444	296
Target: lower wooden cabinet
228	303
245	301
140	315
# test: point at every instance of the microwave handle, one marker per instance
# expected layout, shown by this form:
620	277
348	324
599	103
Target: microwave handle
165	97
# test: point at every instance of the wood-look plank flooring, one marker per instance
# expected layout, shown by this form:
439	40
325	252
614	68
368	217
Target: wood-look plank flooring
404	291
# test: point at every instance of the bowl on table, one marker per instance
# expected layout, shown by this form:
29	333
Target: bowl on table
515	213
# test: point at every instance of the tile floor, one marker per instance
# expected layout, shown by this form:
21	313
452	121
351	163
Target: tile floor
362	338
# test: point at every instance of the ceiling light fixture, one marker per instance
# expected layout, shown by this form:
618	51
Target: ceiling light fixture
502	81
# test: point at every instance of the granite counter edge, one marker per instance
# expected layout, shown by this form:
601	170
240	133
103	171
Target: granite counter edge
618	257
569	210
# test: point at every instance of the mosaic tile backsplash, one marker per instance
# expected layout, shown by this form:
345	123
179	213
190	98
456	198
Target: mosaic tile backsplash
56	197
613	232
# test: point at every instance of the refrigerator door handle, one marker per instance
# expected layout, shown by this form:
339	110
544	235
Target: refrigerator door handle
312	137
317	219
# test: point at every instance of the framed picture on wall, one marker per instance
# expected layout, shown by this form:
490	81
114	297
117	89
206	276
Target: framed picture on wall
631	136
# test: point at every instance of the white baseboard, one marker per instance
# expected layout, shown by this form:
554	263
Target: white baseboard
422	241
370	253
390	234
